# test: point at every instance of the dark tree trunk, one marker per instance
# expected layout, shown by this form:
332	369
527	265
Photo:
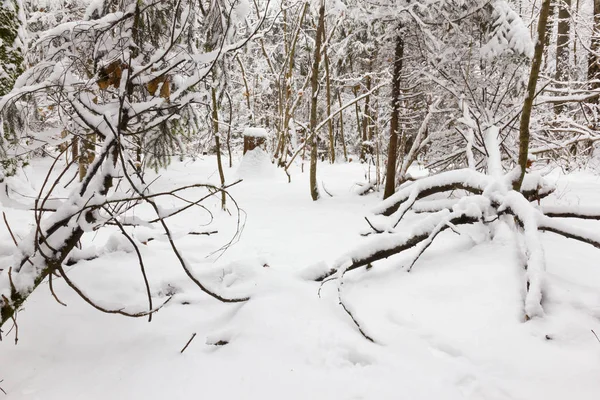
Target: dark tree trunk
252	142
531	85
594	57
390	178
314	83
562	46
215	118
330	123
549	29
342	138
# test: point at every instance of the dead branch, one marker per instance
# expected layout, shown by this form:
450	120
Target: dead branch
456	180
149	199
598	339
9	230
569	234
402	245
424	245
104	309
188	343
51	286
360	329
141	264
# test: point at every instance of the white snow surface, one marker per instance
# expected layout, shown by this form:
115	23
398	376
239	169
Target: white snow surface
256	165
256	132
452	328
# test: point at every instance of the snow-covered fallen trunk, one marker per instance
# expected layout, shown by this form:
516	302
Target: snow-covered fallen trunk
387	245
487	198
533	188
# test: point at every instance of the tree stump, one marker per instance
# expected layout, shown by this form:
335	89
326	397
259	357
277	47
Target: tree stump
253	138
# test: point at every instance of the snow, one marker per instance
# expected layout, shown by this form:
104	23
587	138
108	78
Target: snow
508	33
256	132
242	9
411	191
94	9
256	164
452	328
494	161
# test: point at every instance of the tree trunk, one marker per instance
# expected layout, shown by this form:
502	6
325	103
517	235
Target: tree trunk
575	41
562	46
87	154
342	138
55	255
281	150
562	40
390	178
367	112
357	112
367	120
531	85
594	57
215	118
75	149
328	98
549	29
314	83
11	57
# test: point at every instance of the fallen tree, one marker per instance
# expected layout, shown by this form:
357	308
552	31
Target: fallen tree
479	198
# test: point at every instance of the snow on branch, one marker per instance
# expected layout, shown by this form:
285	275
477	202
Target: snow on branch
507	32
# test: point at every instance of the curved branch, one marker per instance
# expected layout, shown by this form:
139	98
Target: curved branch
397	244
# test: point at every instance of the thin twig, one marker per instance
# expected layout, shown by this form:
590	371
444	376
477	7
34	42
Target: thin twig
106	310
187	344
360	329
372	227
598	339
140	262
9	230
203	233
52	291
325	189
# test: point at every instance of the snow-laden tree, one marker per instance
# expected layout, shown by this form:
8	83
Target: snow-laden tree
489	199
11	43
474	65
11	65
125	77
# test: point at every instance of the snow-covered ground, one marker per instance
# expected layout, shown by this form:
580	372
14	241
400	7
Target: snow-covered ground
450	329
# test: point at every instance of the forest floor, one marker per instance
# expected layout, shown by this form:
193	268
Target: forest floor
450	329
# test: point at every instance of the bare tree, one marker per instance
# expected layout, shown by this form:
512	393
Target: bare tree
314	85
390	178
534	74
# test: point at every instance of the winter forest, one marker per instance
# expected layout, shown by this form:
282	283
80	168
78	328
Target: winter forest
300	199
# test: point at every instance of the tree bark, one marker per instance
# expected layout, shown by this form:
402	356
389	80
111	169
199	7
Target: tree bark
390	178
215	118
314	83
87	154
75	149
562	40
562	46
342	138
56	255
328	97
594	57
531	85
281	150
549	29
357	111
